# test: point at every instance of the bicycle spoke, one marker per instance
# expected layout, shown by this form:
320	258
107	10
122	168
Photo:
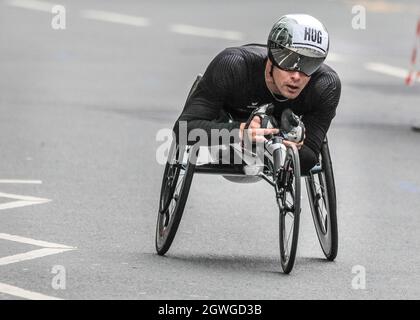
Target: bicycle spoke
323	209
290	233
287	235
286	249
289	187
321	194
174	191
165	224
320	201
180	180
174	200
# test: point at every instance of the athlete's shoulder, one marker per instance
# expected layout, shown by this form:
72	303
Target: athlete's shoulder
326	72
325	78
254	50
324	88
237	62
245	52
230	69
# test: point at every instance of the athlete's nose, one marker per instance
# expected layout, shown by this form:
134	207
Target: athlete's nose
295	75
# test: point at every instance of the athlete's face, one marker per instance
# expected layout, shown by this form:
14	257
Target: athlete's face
288	83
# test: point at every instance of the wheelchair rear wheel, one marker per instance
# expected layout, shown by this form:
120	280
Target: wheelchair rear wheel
322	200
176	184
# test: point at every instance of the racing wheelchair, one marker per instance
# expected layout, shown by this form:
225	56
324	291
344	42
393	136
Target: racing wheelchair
279	166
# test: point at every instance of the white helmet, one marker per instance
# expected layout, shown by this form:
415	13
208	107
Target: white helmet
298	42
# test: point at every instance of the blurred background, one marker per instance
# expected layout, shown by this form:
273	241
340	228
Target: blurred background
80	108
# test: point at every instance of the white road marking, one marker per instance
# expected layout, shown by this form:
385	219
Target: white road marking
20	181
206	32
32	5
18	204
38	253
20	197
22	201
387	69
33	242
115	18
49	248
18	292
195	296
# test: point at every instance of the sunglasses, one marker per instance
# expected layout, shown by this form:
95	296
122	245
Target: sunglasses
289	60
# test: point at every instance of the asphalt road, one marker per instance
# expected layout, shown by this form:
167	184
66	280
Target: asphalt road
80	109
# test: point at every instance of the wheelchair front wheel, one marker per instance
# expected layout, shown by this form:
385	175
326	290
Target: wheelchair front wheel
176	184
288	199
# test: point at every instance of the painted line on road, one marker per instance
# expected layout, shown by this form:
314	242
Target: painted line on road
34	254
22	201
19	197
34	242
19	204
26	294
206	32
113	17
49	248
14	181
387	70
32	5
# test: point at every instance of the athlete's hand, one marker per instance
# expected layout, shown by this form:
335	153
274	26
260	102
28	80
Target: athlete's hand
254	132
290	143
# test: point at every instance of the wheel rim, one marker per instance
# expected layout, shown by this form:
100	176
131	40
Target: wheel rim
171	177
170	196
288	222
166	217
289	204
319	203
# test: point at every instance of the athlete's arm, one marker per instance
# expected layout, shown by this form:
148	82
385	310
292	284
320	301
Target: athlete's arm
325	98
204	106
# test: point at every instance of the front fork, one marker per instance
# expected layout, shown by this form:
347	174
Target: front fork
276	153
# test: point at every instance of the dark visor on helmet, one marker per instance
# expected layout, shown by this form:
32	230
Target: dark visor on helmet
291	61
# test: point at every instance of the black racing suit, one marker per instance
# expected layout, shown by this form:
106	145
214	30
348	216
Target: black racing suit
235	79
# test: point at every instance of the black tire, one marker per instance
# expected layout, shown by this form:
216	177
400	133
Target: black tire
289	204
176	184
323	202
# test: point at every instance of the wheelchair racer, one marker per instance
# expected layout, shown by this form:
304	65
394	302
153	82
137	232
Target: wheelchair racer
289	72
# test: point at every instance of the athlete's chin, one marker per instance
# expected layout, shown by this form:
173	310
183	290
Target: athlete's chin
290	92
291	95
